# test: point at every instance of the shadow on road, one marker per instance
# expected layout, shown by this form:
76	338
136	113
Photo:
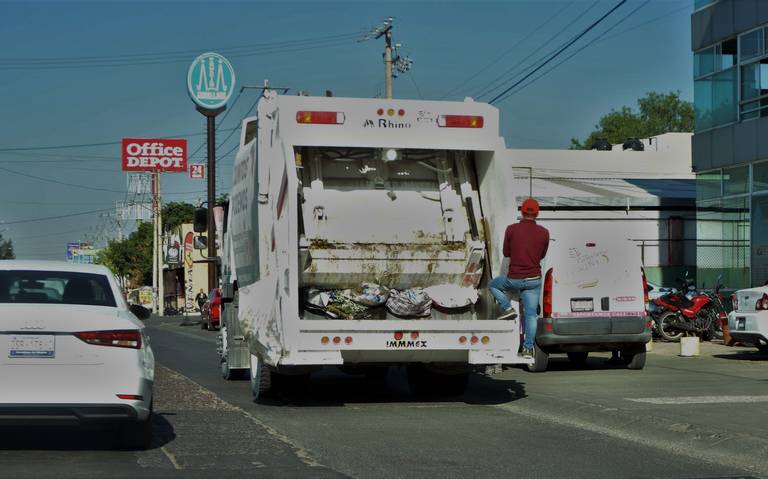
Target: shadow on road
333	388
66	438
744	356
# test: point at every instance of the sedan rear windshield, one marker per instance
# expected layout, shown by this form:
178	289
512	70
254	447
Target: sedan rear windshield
55	287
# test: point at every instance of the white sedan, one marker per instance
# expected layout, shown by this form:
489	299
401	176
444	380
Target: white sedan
72	352
748	322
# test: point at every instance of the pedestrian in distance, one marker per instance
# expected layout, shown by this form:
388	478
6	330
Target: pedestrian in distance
201	298
525	244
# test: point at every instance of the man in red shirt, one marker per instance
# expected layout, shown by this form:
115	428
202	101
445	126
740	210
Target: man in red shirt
525	244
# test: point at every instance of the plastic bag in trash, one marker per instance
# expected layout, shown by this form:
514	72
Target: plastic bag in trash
410	302
452	295
370	294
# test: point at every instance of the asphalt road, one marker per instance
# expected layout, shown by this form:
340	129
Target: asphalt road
679	418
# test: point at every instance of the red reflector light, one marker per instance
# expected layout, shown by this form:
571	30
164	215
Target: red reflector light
415	335
474	340
398	335
549	326
462	340
348	340
119	339
648	324
336	340
590	245
320	117
132	397
401	112
380	111
460	121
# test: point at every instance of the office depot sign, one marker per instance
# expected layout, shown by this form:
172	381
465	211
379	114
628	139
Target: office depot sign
154	154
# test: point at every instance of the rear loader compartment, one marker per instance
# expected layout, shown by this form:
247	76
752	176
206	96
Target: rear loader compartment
375	223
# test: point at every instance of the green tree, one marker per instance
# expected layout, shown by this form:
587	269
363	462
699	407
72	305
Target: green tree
6	249
131	257
657	113
176	213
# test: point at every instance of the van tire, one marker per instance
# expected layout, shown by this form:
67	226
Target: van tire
261	377
540	360
578	358
635	357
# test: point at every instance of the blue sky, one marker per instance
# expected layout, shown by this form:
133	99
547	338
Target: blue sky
453	44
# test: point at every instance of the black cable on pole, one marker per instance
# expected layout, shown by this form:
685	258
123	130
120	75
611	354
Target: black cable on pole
591	42
561	50
48	218
48	180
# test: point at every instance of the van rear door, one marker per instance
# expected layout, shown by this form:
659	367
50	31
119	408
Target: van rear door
596	276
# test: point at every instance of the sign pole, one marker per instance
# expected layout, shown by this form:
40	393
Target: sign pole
154	242
160	260
210	116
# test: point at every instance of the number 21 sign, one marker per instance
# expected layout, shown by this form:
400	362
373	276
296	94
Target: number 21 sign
197	171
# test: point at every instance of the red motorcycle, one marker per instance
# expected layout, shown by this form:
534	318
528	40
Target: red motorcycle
703	314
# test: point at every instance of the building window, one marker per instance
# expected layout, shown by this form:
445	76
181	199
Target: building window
736	181
753	57
760	176
715	87
709	185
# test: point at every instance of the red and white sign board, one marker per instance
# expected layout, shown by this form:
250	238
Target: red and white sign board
154	154
197	171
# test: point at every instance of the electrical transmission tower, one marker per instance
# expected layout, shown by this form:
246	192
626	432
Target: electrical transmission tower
394	63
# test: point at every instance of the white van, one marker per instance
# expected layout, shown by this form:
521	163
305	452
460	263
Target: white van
594	297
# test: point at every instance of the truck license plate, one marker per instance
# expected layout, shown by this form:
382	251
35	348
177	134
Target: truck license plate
741	324
32	346
582	304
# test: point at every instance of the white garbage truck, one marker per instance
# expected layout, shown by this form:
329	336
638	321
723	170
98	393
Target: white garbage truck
361	234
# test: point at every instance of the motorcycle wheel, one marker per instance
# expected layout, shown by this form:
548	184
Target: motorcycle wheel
664	326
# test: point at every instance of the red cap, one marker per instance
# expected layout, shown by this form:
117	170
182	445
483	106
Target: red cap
530	206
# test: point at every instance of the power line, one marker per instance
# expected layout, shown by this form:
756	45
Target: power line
507	51
178	52
48	218
500	80
169	61
593	41
87	145
561	50
49	180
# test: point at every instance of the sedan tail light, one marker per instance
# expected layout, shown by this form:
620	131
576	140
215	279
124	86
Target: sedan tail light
735	302
119	339
762	303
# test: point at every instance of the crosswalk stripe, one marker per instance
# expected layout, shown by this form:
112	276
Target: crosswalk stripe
701	399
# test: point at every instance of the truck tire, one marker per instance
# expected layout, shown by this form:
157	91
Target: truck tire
635	357
578	358
665	330
540	360
261	377
763	348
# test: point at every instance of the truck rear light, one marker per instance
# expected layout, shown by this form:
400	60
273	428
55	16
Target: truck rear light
474	340
336	340
547	295
735	302
460	121
398	335
325	340
645	288
485	340
320	117
348	340
131	397
462	340
119	339
649	324
762	303
414	335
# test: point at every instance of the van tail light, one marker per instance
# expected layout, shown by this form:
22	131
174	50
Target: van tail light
645	289
131	397
460	121
474	271
762	303
735	302
547	295
119	339
320	117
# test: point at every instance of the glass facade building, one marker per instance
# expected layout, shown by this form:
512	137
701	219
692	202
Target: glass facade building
730	144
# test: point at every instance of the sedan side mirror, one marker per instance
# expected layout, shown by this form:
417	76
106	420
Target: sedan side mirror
140	311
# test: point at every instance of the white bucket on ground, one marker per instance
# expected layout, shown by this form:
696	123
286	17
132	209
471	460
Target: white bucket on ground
689	346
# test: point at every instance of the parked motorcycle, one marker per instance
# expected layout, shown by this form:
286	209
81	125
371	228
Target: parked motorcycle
701	313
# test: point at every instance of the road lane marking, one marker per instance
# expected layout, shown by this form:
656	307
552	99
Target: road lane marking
701	399
171	458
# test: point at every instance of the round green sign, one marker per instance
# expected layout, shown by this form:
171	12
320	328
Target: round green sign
211	80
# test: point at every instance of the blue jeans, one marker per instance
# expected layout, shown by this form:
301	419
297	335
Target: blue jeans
529	295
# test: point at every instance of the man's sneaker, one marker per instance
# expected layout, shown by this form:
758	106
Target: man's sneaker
527	353
508	314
